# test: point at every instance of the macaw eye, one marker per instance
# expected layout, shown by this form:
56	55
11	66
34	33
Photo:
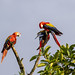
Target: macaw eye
18	35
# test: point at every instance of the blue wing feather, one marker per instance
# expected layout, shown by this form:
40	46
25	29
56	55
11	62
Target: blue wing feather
54	29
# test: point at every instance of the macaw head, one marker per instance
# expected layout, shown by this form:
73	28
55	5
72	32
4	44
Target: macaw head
17	34
41	24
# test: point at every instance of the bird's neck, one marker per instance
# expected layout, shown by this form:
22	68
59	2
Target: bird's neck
14	36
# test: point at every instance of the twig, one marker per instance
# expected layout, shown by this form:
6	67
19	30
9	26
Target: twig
19	61
35	66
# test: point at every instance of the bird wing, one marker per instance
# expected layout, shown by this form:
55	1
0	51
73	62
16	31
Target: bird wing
52	28
43	38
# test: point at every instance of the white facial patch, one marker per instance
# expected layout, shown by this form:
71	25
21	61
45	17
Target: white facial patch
18	34
41	26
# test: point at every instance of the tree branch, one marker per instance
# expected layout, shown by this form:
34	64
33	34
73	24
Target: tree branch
35	66
21	66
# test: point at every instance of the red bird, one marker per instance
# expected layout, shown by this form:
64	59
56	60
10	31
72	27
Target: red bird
51	29
11	40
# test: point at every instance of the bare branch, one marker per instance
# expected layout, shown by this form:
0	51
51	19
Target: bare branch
21	66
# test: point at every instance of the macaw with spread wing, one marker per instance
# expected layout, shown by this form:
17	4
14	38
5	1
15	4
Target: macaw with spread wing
11	40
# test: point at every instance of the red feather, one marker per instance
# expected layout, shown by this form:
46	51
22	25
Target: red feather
7	45
4	54
57	42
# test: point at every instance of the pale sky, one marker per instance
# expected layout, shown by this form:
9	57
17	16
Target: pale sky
24	16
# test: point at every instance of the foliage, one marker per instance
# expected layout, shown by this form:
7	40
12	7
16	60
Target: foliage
60	63
20	73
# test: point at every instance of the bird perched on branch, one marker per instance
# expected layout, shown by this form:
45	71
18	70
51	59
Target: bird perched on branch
51	29
11	40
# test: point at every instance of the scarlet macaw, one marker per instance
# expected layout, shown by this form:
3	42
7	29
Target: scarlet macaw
11	40
43	38
51	29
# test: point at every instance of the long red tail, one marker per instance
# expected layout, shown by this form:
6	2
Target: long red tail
57	42
4	54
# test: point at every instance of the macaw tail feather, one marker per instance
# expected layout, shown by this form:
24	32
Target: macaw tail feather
40	47
57	42
4	54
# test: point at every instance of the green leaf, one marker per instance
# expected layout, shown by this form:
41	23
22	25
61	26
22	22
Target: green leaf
51	64
63	46
42	50
56	55
63	49
41	71
58	71
68	52
53	61
46	50
73	61
73	51
62	73
67	46
46	56
51	57
34	57
42	64
72	47
61	56
45	60
20	73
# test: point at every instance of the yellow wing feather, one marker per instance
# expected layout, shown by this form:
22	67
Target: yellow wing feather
51	25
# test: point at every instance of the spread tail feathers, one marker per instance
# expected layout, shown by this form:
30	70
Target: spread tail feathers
4	54
57	42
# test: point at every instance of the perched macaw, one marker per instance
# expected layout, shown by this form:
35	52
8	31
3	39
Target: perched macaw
11	40
49	27
43	38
